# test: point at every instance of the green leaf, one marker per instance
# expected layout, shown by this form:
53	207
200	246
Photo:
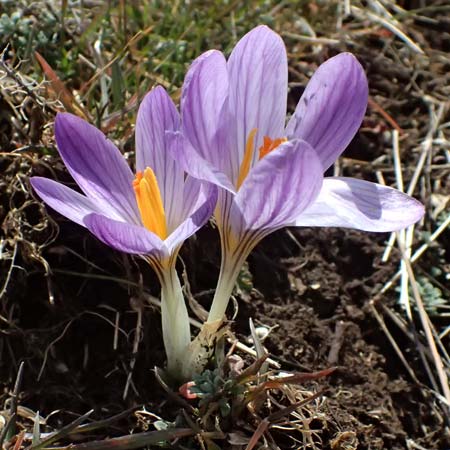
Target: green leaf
117	85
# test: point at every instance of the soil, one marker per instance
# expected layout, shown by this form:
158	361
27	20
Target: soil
318	301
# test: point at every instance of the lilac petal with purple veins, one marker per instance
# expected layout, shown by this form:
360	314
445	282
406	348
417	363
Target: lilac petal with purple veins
158	114
195	194
201	199
64	200
97	166
278	189
125	237
332	107
194	164
204	108
351	203
258	74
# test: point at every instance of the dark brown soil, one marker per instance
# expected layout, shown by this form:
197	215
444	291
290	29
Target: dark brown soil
318	302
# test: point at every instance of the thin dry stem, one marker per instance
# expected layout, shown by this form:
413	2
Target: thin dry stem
425	320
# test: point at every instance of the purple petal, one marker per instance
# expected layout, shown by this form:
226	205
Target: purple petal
125	237
194	164
158	114
278	189
66	201
198	206
204	109
352	203
97	166
258	88
332	107
195	194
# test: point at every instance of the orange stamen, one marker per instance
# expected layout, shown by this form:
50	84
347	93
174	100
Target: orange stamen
269	145
149	202
248	156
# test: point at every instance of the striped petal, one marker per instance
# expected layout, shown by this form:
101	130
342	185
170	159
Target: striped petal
332	107
204	108
97	166
158	114
125	237
351	203
194	163
258	88
197	207
64	200
277	189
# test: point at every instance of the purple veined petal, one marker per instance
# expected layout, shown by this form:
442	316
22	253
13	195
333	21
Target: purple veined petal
204	109
225	199
199	202
351	203
97	166
277	189
194	164
332	107
64	200
125	237
158	114
195	194
258	74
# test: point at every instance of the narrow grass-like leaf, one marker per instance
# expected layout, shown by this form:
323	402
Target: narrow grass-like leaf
36	431
297	378
13	408
260	351
252	370
59	88
132	441
63	432
105	422
117	85
7	428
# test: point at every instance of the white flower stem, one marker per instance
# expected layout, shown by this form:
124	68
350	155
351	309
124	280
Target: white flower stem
175	321
233	258
203	346
229	271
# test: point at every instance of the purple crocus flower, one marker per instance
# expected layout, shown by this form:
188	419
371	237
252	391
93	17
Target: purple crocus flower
270	175
150	214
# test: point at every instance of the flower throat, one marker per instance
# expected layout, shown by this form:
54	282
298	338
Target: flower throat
268	145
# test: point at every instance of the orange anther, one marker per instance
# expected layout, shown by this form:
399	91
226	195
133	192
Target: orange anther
248	156
269	145
149	202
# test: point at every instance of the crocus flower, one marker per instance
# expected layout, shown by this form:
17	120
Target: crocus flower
148	214
270	175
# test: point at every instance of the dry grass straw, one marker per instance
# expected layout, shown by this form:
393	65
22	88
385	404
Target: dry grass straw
389	15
